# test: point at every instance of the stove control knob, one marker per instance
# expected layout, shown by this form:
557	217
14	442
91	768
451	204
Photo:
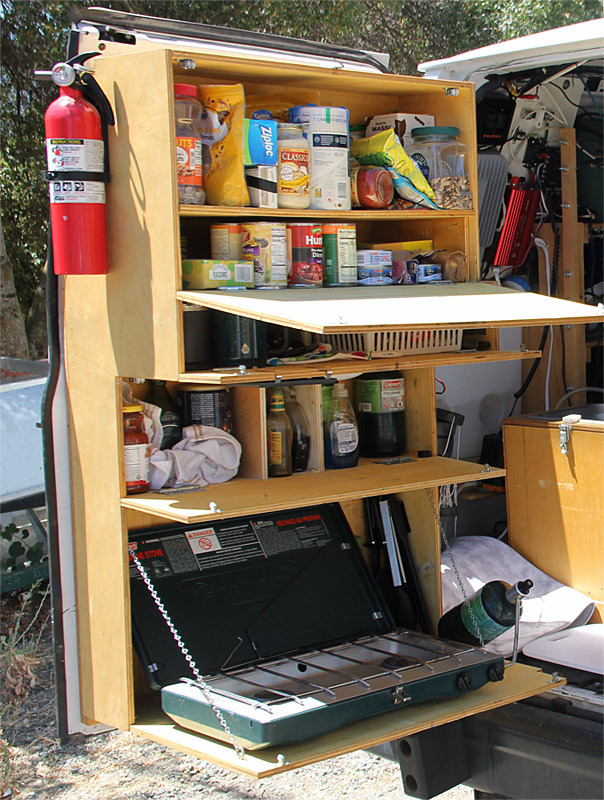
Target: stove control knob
464	682
495	672
399	696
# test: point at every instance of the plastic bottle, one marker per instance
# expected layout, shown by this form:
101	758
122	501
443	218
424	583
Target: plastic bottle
169	418
492	608
294	167
340	432
300	431
380	409
444	162
136	449
279	434
188	111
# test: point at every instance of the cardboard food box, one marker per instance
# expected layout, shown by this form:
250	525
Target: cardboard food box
207	273
403	124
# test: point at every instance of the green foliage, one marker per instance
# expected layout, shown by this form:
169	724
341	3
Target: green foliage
34	38
19	552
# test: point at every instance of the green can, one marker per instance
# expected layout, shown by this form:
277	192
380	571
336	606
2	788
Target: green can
339	255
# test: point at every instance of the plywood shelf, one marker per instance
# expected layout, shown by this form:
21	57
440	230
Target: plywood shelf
520	682
422	307
245	496
341	368
347	216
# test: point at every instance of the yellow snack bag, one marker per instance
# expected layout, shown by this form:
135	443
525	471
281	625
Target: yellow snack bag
221	130
384	149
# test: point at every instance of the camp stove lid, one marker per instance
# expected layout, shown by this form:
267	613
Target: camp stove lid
244	590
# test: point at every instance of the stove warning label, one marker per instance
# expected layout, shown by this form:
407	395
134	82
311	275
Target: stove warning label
203	541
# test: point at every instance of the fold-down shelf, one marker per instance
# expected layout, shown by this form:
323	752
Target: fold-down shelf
248	496
390	308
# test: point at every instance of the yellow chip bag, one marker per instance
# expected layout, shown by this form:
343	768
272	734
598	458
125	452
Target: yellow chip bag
384	149
221	130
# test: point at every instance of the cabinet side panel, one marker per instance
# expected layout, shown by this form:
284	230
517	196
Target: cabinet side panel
142	217
555	503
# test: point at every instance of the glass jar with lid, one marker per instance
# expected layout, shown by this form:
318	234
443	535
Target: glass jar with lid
294	166
443	160
188	112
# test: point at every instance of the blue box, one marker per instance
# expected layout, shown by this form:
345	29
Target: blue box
260	142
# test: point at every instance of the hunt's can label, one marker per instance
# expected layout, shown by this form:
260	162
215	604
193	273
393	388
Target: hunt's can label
264	243
339	255
304	254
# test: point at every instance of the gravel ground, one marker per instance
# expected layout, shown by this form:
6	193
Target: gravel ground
119	766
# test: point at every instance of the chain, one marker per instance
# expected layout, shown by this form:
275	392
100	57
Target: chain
199	681
466	599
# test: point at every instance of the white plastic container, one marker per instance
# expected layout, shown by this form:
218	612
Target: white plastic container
326	129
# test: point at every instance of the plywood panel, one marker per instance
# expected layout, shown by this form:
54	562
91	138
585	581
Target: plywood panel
244	496
343	366
421	307
520	682
556	503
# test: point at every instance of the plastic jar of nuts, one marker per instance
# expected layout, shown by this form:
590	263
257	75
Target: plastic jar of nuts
443	160
188	111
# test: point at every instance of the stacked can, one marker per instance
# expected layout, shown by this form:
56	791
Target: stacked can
339	254
264	243
225	241
305	254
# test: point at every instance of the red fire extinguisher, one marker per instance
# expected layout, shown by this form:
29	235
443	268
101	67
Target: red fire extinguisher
77	171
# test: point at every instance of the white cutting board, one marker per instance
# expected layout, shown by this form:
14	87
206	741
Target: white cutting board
579	648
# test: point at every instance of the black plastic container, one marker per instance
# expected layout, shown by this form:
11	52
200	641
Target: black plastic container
238	341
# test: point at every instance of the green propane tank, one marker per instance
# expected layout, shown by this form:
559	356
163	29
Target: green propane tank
380	411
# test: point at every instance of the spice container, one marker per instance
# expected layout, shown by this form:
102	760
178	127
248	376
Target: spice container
188	144
294	167
443	160
136	449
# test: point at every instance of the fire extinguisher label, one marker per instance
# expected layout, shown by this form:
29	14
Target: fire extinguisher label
80	155
76	192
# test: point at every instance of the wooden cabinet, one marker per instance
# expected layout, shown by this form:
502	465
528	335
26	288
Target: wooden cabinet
129	324
555	501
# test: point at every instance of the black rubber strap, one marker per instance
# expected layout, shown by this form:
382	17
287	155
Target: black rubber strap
103	177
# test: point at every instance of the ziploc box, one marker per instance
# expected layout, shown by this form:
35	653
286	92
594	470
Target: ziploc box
207	273
403	124
260	142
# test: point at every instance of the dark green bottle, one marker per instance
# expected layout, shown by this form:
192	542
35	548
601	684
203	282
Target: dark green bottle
159	395
380	411
492	609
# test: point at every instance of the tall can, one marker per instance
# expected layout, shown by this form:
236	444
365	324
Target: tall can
213	407
304	254
326	129
265	244
339	254
225	241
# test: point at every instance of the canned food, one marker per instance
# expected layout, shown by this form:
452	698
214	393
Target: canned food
339	255
212	408
374	276
264	243
225	241
304	254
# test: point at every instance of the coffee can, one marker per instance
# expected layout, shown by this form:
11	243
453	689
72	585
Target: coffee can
265	244
213	408
304	254
339	254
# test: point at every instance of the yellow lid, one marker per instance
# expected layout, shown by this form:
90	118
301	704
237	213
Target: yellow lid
130	408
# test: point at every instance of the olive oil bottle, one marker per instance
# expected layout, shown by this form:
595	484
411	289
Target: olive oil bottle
279	434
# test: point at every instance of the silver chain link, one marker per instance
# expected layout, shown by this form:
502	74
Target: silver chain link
466	599
199	681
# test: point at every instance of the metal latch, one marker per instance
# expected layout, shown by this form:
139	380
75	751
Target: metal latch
565	428
399	696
